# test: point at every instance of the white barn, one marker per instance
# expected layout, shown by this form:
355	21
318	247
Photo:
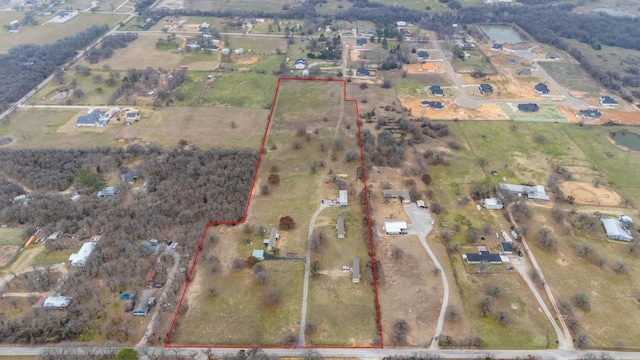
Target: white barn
343	198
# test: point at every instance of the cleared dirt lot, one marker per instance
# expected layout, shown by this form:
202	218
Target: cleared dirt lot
587	194
419	69
453	111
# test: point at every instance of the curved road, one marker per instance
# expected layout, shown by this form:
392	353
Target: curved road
307	270
421	226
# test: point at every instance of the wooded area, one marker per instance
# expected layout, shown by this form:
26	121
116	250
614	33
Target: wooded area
25	66
186	189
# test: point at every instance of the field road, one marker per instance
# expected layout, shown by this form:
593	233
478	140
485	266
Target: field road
307	271
196	353
421	226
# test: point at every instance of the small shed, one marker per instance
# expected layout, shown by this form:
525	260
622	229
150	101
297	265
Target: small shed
258	254
355	271
340	227
493	204
421	204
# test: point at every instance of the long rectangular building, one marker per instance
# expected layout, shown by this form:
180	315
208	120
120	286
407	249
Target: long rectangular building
80	258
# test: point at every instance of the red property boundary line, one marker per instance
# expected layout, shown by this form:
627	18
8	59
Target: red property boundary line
246	210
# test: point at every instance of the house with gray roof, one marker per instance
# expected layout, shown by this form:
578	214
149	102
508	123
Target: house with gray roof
355	271
270	243
529	192
340	227
89	120
402	194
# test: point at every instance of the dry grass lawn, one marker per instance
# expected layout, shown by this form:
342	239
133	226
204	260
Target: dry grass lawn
453	111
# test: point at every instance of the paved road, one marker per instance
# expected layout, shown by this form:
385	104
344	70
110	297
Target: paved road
571	101
163	296
336	352
421	226
307	271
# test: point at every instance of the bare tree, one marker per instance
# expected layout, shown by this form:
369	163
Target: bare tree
453	314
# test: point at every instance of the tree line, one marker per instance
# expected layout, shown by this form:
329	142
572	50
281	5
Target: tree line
25	66
186	188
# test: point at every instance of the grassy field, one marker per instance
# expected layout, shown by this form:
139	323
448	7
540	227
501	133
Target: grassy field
574	79
94	93
166	126
258	45
545	114
11	236
244	89
434	5
49	33
142	53
477	61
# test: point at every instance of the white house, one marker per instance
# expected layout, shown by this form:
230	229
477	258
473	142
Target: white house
56	302
616	230
80	258
395	227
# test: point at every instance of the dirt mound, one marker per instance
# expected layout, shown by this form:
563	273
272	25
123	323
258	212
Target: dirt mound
587	194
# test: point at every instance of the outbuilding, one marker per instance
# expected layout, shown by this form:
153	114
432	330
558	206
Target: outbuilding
421	204
493	204
56	302
80	258
343	198
340	227
616	230
270	243
355	271
144	302
395	227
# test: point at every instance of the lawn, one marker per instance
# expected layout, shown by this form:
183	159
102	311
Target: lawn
269	6
477	61
94	93
547	113
422	5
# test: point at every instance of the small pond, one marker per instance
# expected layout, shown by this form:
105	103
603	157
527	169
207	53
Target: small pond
502	34
5	141
627	139
613	12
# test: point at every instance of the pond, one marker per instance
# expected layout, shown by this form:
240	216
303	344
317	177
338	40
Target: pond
627	139
5	141
614	12
502	34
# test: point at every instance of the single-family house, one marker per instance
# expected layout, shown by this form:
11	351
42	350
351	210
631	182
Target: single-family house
590	114
429	67
258	254
436	90
423	55
523	72
149	247
80	258
355	271
529	192
91	119
530	107
193	46
435	105
482	257
133	115
204	25
506	247
402	194
144	302
497	47
343	198
362	72
395	227
56	302
608	101
270	243
212	48
340	227
542	89
108	191
616	230
493	204
485	89
361	42
512	61
552	56
401	23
